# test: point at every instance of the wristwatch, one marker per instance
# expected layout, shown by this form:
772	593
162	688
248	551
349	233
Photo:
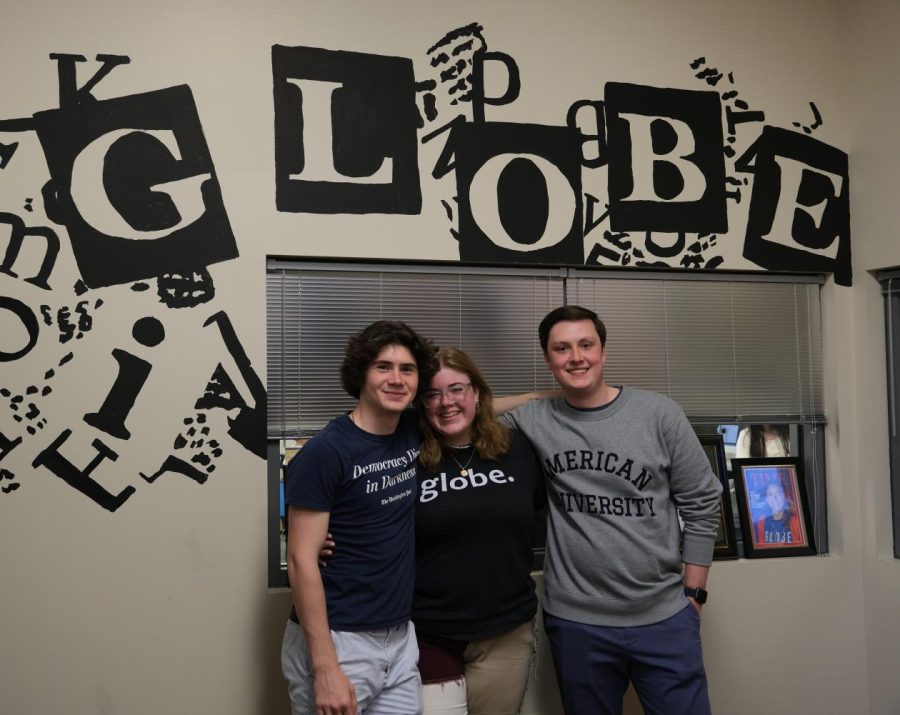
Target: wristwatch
698	594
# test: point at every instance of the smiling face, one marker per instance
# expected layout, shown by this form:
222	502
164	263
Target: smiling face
775	498
450	404
391	381
576	359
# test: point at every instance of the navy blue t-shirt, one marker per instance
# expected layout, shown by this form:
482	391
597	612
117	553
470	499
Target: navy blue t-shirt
368	484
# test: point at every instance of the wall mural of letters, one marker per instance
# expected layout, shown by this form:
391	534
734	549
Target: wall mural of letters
133	188
671	172
366	103
131	213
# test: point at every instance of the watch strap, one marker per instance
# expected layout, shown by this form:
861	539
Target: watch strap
698	594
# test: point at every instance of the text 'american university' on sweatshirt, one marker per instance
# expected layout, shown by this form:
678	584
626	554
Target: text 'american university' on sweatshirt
618	478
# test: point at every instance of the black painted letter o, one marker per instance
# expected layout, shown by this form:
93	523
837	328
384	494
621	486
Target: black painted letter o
26	315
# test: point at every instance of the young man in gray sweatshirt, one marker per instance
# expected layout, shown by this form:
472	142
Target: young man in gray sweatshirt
624	582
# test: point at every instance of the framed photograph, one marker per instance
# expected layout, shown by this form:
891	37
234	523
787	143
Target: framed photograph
774	512
726	543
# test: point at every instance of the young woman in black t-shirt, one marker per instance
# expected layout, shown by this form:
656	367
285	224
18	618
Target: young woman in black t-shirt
480	497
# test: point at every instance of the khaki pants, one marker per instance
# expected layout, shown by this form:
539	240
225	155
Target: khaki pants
496	675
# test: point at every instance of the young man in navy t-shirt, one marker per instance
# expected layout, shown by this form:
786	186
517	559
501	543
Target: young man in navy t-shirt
349	645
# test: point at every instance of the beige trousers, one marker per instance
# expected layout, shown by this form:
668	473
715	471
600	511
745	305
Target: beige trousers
497	671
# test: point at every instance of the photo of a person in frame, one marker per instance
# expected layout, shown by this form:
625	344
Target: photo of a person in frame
723	538
779	522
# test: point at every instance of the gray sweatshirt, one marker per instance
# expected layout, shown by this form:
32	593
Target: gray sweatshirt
618	477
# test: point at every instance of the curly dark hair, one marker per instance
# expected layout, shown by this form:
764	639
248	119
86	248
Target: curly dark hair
364	346
569	312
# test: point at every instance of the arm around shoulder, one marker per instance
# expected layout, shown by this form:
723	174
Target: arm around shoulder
511	402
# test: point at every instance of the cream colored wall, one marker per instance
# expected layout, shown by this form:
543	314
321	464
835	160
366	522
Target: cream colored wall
162	607
874	148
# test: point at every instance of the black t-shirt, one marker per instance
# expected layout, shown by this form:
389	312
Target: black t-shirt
473	543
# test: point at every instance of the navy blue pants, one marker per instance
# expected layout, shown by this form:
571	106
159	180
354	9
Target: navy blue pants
664	660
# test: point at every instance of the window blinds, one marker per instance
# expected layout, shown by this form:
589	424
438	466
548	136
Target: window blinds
313	309
730	348
721	348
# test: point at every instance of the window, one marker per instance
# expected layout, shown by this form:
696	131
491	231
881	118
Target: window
732	349
795	439
890	286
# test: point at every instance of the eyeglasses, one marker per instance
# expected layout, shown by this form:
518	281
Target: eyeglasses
456	393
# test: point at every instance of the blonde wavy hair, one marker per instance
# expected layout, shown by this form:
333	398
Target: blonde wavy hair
490	437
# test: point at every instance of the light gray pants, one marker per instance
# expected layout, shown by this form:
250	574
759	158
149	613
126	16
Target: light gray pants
381	664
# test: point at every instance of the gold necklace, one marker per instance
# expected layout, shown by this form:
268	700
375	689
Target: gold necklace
463	468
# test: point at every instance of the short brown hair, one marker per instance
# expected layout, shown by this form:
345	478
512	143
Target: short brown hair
569	312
